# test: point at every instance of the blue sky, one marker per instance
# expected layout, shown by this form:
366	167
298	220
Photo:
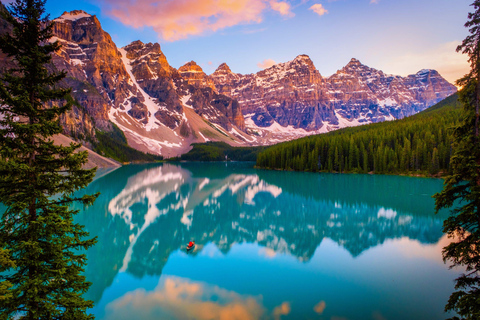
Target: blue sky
397	36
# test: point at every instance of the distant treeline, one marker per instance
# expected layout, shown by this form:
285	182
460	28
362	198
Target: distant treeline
220	151
417	144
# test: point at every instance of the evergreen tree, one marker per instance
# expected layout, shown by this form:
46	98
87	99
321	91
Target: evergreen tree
41	247
435	162
462	187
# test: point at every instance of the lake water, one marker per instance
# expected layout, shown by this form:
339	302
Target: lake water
269	245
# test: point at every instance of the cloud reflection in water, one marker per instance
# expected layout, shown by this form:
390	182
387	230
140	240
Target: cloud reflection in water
178	298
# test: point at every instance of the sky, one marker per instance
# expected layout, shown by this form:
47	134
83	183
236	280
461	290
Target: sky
398	37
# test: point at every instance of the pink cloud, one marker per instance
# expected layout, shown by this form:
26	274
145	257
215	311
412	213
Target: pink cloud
267	63
282	7
282	310
179	19
169	299
320	307
318	9
267	252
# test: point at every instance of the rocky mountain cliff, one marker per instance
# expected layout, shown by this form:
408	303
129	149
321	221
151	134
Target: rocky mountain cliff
90	56
369	95
295	94
287	93
136	89
163	110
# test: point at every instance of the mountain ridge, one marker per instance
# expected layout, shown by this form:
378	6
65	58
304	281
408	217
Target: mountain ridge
163	110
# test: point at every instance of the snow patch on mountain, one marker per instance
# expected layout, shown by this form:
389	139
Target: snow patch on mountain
185	100
73	16
203	137
149	102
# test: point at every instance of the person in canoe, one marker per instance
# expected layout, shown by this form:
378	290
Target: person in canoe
190	245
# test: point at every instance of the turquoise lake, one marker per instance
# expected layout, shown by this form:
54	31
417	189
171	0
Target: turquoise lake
269	245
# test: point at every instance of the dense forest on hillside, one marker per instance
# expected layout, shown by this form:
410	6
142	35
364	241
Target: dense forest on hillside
420	144
220	151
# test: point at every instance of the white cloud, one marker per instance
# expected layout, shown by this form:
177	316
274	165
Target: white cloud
319	9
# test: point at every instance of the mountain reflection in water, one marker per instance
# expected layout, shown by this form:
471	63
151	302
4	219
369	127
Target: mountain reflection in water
146	213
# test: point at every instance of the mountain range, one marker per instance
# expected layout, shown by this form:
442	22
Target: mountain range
163	110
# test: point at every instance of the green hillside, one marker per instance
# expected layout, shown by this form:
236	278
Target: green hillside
420	144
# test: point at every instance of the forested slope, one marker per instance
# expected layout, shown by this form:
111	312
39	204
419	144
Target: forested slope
420	144
220	151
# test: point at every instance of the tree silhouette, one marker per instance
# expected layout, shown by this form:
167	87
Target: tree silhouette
40	246
462	187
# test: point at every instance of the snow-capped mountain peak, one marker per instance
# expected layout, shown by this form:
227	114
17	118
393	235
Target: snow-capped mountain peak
73	15
223	69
